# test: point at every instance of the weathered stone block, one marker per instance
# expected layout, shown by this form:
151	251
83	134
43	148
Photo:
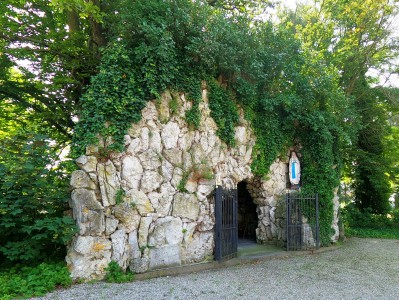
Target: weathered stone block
140	201
88	257
150	160
174	156
186	206
119	239
170	135
150	181
143	231
87	163
81	180
127	215
199	249
88	212
165	256
167	230
110	225
132	172
108	181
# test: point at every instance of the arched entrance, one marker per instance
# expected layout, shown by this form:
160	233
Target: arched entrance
247	215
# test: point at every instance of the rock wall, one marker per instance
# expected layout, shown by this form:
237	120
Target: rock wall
151	206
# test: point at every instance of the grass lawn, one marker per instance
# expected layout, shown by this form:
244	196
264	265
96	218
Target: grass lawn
381	233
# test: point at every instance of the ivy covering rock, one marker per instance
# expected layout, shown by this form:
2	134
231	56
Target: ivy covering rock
289	97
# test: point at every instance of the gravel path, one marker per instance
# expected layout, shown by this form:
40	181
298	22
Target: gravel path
361	269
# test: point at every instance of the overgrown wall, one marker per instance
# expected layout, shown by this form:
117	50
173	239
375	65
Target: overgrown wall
152	205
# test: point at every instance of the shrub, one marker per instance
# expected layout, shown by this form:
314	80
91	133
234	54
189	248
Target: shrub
33	197
114	273
23	281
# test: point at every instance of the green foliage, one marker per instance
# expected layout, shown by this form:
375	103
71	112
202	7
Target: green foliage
224	111
115	274
23	281
372	169
366	224
45	64
377	233
291	97
356	218
120	194
113	101
181	186
355	37
33	197
174	105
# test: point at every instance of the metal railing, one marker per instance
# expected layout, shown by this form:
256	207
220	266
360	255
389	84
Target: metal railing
302	222
226	225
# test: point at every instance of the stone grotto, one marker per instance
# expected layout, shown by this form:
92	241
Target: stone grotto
152	205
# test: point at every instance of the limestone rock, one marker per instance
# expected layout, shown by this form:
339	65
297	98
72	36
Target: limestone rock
88	257
155	142
145	139
132	172
143	231
198	154
164	113
170	135
240	135
108	181
134	146
162	201
119	239
187	161
150	160
140	265
188	231
186	206
165	256
151	181
186	140
200	248
80	180
205	190
110	225
167	170
127	215
91	150
127	139
88	212
174	156
87	163
150	111
191	186
134	245
167	230
139	199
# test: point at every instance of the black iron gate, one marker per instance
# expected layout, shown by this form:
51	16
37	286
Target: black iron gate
226	227
302	222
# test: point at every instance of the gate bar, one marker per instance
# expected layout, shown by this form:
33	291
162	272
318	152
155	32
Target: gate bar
218	223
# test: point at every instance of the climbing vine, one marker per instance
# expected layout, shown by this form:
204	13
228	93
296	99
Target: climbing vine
289	97
224	111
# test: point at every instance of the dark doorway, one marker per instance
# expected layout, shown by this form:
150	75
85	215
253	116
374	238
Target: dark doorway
247	216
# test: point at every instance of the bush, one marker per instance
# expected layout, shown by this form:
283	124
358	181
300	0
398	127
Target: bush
356	218
116	274
33	281
33	198
365	224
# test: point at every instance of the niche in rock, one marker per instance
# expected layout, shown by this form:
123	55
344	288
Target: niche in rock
247	216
